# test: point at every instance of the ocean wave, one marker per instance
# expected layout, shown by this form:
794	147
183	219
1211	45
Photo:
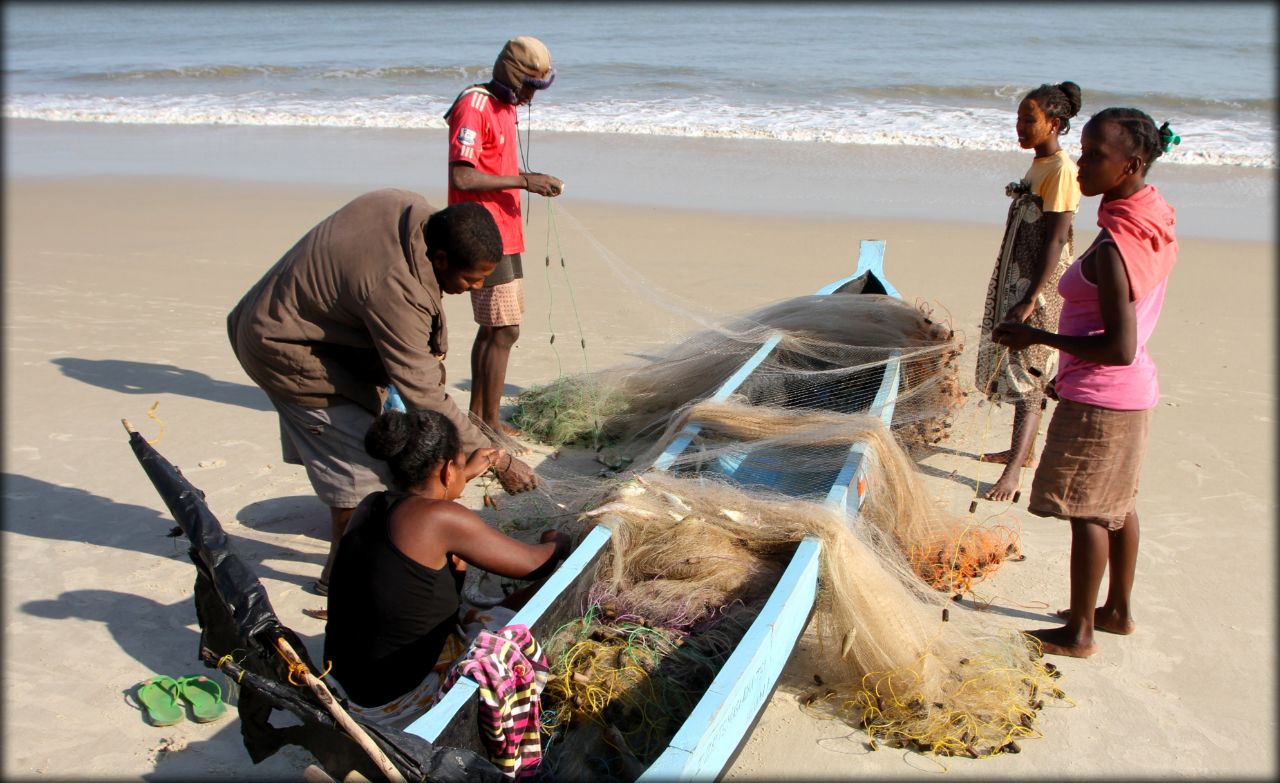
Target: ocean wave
1213	142
459	73
203	72
682	79
1094	100
231	73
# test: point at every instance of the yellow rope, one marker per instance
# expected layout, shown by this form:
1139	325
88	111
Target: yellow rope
299	669
228	659
151	414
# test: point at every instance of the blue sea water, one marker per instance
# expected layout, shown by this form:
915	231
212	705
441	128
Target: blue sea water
932	75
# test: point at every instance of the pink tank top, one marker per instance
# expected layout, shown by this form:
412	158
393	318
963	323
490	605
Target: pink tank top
1130	387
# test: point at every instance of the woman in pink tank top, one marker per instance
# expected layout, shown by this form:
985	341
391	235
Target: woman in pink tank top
1106	383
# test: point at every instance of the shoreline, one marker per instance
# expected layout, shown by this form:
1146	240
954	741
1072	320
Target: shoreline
763	177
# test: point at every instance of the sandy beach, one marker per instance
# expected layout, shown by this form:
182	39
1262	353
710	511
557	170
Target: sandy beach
124	251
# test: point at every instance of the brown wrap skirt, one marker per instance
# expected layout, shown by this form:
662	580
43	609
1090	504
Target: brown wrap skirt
1090	465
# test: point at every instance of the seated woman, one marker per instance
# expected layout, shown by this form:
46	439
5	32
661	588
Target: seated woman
394	594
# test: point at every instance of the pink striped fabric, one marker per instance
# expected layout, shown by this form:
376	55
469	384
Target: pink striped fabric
511	670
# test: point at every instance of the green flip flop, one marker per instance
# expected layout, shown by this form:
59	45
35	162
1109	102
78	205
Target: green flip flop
205	697
159	699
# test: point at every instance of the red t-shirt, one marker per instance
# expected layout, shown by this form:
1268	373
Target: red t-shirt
482	132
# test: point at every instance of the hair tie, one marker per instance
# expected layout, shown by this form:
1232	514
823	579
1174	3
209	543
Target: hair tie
1169	137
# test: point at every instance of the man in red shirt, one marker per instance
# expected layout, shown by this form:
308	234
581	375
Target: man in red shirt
484	167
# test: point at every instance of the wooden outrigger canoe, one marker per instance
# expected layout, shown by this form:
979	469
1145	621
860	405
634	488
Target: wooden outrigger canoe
716	728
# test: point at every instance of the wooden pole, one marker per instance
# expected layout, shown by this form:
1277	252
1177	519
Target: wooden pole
344	720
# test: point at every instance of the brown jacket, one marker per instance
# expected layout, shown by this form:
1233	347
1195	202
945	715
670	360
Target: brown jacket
352	306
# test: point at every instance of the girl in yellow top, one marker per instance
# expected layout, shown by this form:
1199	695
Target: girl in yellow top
1036	248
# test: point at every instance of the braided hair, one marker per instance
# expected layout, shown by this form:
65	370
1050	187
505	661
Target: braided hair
1145	140
412	444
1058	101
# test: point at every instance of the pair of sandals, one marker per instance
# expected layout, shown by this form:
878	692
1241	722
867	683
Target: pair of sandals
159	696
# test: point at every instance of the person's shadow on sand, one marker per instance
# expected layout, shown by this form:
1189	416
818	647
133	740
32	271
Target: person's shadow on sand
144	378
42	510
154	634
303	514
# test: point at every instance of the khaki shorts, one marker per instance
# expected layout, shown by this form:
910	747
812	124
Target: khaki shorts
329	443
1090	464
501	305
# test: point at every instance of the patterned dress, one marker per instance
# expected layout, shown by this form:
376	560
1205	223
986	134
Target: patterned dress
1012	376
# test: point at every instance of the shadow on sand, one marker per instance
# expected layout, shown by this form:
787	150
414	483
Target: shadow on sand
508	390
143	378
42	510
303	514
1009	611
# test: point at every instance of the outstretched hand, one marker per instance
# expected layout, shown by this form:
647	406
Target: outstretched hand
543	184
515	476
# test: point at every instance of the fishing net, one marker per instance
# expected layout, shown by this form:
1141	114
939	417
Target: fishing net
828	361
948	553
697	545
621	688
690	561
826	345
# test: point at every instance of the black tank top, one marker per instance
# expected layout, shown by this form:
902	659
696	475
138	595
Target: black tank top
389	616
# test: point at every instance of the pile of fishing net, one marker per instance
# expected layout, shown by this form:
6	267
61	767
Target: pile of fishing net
825	345
622	686
698	542
693	556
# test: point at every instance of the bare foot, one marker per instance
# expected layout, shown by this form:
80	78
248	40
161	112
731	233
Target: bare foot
508	430
1108	620
1002	458
1005	486
1058	641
